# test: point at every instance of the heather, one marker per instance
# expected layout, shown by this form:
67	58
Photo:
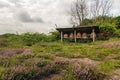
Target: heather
43	57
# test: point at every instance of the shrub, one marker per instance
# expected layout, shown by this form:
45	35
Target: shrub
3	43
54	36
117	33
107	31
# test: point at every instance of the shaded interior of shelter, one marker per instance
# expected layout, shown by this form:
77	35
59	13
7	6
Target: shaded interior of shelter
79	34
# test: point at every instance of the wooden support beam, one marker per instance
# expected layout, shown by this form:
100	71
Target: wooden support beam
75	36
61	36
93	31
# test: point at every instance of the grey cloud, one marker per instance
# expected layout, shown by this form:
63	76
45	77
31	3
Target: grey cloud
16	2
39	20
4	4
24	16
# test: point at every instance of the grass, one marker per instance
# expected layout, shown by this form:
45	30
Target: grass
107	67
42	61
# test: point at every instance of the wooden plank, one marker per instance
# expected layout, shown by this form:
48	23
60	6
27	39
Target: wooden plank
75	36
93	31
61	36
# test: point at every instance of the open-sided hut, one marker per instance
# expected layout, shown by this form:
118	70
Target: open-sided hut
76	33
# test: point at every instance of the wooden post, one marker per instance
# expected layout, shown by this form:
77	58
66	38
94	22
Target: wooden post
93	31
61	36
75	36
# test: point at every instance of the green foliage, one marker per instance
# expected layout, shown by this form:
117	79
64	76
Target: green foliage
45	56
99	20
68	40
102	20
50	57
30	39
42	63
108	28
70	75
87	22
12	40
117	33
107	66
117	20
54	36
27	39
24	56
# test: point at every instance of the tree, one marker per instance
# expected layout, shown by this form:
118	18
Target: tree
100	8
95	8
99	20
79	11
87	22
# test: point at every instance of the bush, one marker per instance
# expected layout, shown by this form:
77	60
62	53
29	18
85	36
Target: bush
3	43
109	28
55	35
11	40
31	38
117	33
107	31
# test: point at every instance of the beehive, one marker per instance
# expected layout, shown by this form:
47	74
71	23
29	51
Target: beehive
78	35
91	35
71	35
84	35
65	35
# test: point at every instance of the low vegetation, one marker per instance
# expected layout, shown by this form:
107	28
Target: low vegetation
40	57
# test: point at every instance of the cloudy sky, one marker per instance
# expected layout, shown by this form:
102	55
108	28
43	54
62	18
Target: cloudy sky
37	15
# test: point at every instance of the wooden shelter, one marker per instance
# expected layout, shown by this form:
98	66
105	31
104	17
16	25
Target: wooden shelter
76	33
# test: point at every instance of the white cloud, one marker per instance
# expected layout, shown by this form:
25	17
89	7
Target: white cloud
116	7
